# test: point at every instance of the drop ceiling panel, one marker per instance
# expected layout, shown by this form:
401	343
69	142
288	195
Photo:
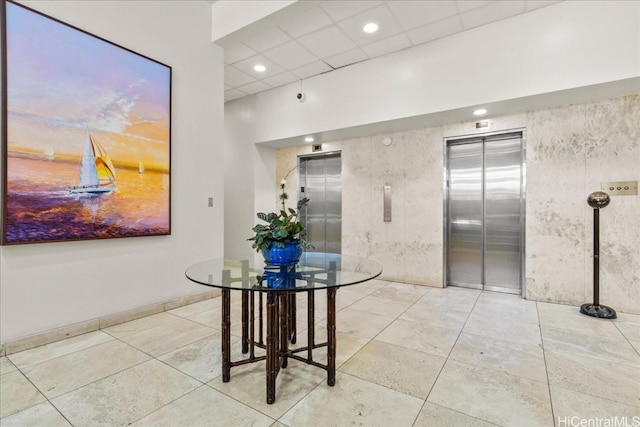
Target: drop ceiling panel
312	69
491	13
267	39
380	15
235	78
413	14
466	5
339	10
237	52
290	55
327	34
246	66
327	42
346	58
435	30
307	22
388	45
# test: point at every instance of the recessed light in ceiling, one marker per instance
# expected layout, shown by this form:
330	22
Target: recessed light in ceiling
260	68
309	139
371	27
480	112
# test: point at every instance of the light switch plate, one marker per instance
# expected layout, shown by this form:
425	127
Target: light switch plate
620	188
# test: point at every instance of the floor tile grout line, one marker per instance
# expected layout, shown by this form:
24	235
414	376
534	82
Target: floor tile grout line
637	350
546	367
445	362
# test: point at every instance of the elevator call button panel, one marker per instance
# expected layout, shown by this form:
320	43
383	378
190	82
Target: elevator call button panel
620	188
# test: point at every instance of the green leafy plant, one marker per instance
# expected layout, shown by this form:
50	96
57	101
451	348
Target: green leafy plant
281	227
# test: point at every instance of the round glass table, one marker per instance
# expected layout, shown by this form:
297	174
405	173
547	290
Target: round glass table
280	284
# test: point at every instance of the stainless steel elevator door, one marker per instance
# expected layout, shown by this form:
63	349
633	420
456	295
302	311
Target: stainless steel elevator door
465	215
502	213
320	182
484	212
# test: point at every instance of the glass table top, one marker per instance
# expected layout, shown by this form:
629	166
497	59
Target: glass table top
315	270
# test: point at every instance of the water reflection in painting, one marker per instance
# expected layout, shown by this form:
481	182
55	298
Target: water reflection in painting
88	135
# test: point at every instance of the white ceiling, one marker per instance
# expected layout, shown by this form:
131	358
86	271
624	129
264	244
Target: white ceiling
317	37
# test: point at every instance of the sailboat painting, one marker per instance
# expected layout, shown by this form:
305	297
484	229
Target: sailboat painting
86	135
97	173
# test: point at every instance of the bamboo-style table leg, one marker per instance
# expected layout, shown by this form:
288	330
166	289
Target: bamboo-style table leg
245	322
311	328
284	328
272	346
226	335
331	336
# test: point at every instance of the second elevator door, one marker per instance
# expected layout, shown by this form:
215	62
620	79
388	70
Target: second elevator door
320	182
485	212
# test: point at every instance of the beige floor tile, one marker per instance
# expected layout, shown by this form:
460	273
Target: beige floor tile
402	292
42	414
135	326
126	396
612	381
359	323
436	315
190	310
346	346
418	336
408	371
60	348
248	385
353	401
568	404
205	407
344	298
381	306
629	327
369	287
507	305
166	333
433	415
6	366
610	347
17	394
203	358
460	299
569	317
71	371
503	328
492	396
512	358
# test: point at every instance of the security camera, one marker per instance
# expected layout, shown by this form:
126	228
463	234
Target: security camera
300	96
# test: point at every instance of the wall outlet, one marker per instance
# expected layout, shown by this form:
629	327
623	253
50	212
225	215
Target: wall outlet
620	188
210	202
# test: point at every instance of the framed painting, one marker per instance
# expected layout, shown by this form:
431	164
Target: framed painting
86	134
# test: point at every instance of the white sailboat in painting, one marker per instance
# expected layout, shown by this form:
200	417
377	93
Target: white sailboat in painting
97	173
140	167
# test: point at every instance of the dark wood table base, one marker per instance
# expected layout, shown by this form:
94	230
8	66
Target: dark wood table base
280	332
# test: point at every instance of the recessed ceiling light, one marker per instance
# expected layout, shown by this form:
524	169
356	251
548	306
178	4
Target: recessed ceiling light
480	112
309	139
260	68
370	28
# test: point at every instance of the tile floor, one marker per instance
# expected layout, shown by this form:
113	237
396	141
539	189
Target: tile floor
407	356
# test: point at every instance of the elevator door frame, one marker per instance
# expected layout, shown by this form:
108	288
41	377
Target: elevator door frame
523	193
324	154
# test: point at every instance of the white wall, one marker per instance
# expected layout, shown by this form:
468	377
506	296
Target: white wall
249	178
562	46
44	286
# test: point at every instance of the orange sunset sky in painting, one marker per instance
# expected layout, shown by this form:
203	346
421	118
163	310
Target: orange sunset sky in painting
62	82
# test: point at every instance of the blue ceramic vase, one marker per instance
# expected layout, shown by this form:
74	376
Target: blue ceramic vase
287	255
